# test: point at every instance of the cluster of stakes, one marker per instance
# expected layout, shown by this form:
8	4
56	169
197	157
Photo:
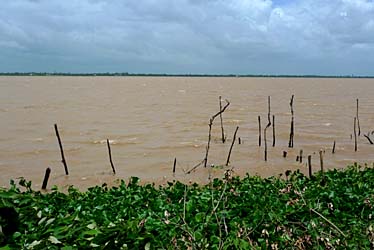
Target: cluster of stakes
222	109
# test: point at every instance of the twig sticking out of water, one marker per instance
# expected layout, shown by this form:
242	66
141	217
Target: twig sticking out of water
333	148
354	132
195	167
301	156
62	151
46	177
110	156
358	120
290	143
220	116
232	144
267	126
259	131
368	137
210	131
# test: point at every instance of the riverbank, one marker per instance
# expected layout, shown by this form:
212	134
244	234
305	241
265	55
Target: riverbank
334	210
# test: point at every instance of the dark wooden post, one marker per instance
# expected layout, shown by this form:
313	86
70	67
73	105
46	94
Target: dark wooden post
232	144
290	143
267	126
259	131
321	159
210	132
220	116
110	156
175	164
355	133
333	148
273	131
358	120
310	165
46	177
62	151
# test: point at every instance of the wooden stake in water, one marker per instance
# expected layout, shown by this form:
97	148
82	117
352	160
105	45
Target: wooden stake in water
110	156
259	131
267	126
240	140
210	132
301	156
310	165
232	144
355	133
290	143
220	116
46	177
284	154
175	164
333	148
321	160
62	151
273	131
358	120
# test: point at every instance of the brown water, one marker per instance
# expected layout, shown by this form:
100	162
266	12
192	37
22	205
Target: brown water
149	121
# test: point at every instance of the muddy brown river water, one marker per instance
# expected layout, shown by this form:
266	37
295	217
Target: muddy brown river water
151	120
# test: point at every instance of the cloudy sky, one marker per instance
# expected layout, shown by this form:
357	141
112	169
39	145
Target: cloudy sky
188	36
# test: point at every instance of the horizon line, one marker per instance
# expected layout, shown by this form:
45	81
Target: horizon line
32	73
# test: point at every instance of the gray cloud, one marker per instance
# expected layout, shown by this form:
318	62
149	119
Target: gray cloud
188	36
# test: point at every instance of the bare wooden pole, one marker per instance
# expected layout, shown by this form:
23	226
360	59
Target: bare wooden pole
110	156
174	165
321	160
301	156
290	143
267	126
210	131
46	177
62	151
273	131
220	116
358	120
259	131
284	154
333	148
239	140
232	145
310	165
355	133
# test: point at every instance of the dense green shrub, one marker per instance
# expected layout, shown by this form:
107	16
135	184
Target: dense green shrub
334	210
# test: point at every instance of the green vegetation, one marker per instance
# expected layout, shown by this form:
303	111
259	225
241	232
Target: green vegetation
330	211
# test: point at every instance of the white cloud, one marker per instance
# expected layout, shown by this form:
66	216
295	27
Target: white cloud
188	36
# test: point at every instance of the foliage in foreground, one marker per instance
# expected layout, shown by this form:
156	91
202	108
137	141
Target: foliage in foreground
325	212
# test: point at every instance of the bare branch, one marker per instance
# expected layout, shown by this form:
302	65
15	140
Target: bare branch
368	137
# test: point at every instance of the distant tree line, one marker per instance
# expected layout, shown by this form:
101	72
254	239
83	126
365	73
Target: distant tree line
176	75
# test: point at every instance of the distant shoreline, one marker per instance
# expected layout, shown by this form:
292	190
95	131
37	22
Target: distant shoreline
179	75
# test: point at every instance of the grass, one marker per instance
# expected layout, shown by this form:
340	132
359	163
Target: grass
330	211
